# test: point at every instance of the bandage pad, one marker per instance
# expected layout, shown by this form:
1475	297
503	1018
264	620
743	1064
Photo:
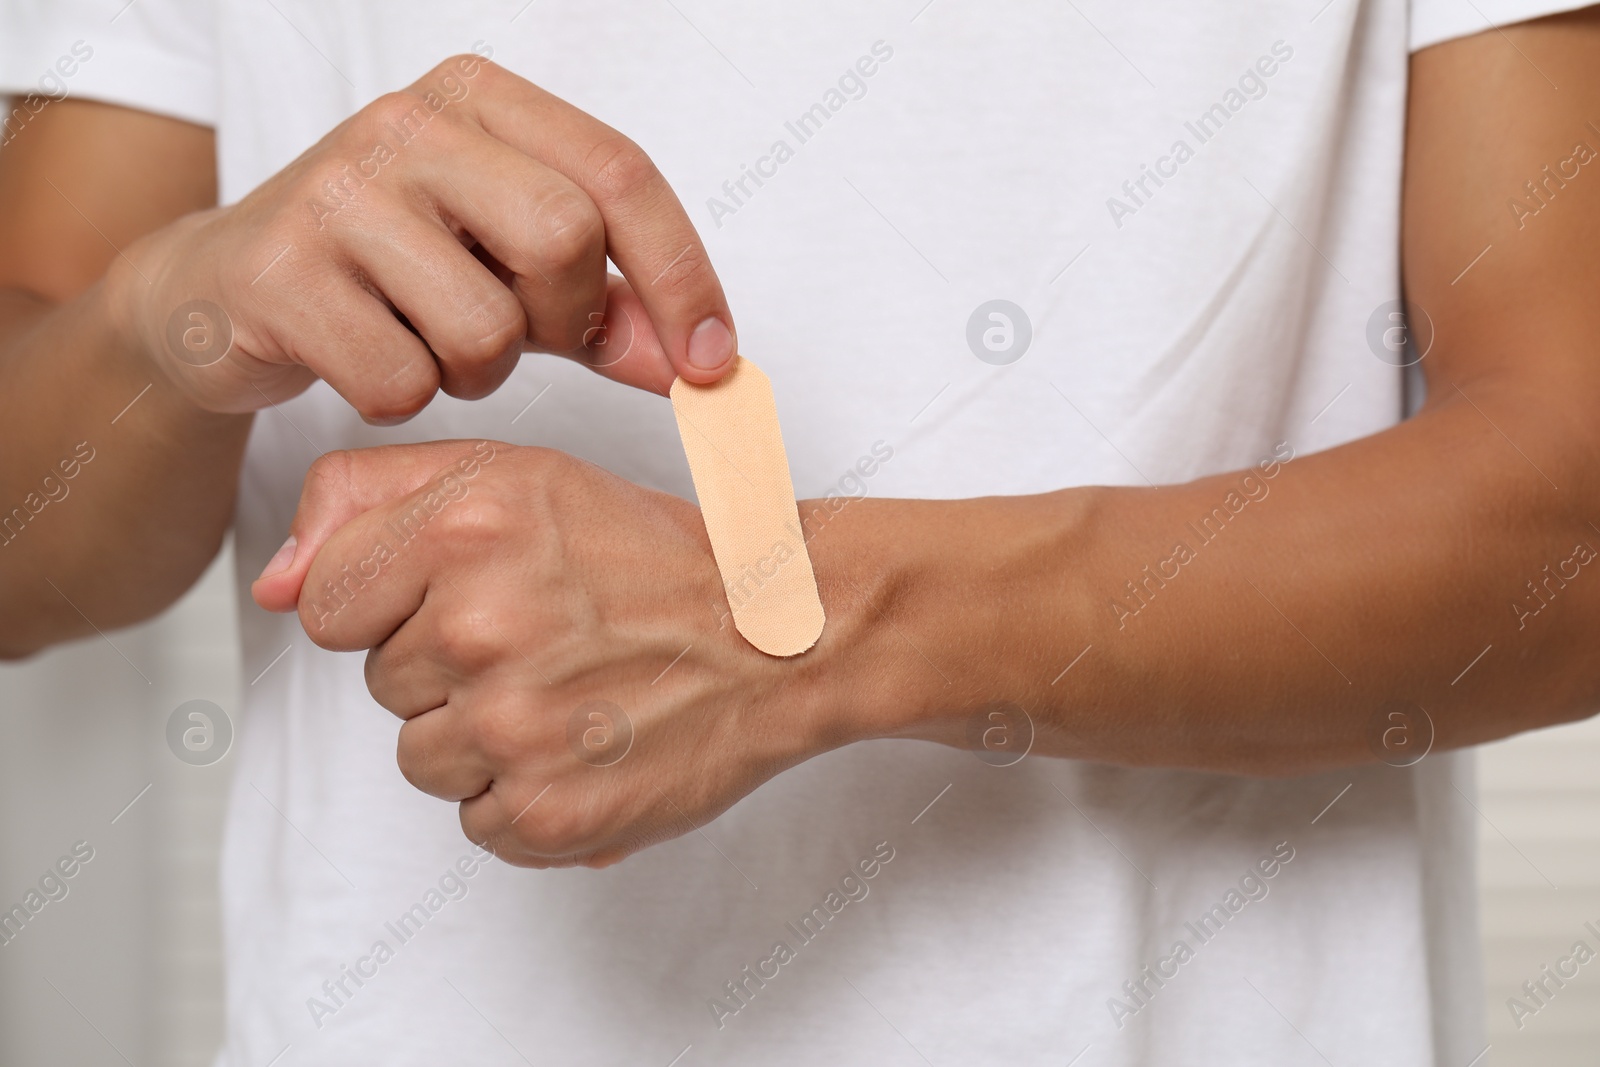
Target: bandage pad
741	475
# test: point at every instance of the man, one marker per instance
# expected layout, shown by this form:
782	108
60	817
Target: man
986	258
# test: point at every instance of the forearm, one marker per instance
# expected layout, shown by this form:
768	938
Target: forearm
115	491
1261	631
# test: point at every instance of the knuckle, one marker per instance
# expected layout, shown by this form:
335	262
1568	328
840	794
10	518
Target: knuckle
500	326
690	274
451	64
481	827
411	759
570	229
328	475
391	109
412	770
400	398
469	641
560	830
429	769
563	330
386	410
381	675
478	517
501	734
375	675
621	170
540	461
319	620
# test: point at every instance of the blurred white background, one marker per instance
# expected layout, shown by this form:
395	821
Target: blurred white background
126	969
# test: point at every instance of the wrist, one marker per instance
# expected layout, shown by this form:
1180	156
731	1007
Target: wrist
167	330
941	610
130	293
851	674
122	298
125	357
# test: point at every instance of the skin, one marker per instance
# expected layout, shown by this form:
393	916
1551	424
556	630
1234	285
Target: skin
486	235
1361	582
1374	572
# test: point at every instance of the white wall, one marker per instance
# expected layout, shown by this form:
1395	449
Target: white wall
134	946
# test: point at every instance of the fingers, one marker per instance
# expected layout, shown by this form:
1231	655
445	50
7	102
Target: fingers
374	572
549	289
416	212
623	345
472	325
367	580
530	821
522	824
342	485
648	233
404	675
351	340
535	222
433	758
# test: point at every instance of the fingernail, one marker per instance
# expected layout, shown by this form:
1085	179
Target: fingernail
711	345
280	560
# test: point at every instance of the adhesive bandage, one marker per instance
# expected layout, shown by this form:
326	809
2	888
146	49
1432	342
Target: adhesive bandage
741	475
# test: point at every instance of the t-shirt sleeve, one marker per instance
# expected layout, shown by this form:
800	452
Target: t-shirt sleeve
1433	21
154	55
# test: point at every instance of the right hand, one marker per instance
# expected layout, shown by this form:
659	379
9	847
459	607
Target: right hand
487	229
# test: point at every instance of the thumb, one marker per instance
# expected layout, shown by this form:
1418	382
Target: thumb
342	485
623	345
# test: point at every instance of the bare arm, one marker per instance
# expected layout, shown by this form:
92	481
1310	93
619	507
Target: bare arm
1373	573
101	521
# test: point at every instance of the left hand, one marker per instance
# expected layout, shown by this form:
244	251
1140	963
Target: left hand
503	591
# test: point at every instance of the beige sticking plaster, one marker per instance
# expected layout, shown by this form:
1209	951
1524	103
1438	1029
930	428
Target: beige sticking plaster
741	475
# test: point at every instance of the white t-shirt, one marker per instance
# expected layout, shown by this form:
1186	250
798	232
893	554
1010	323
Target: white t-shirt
1181	324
